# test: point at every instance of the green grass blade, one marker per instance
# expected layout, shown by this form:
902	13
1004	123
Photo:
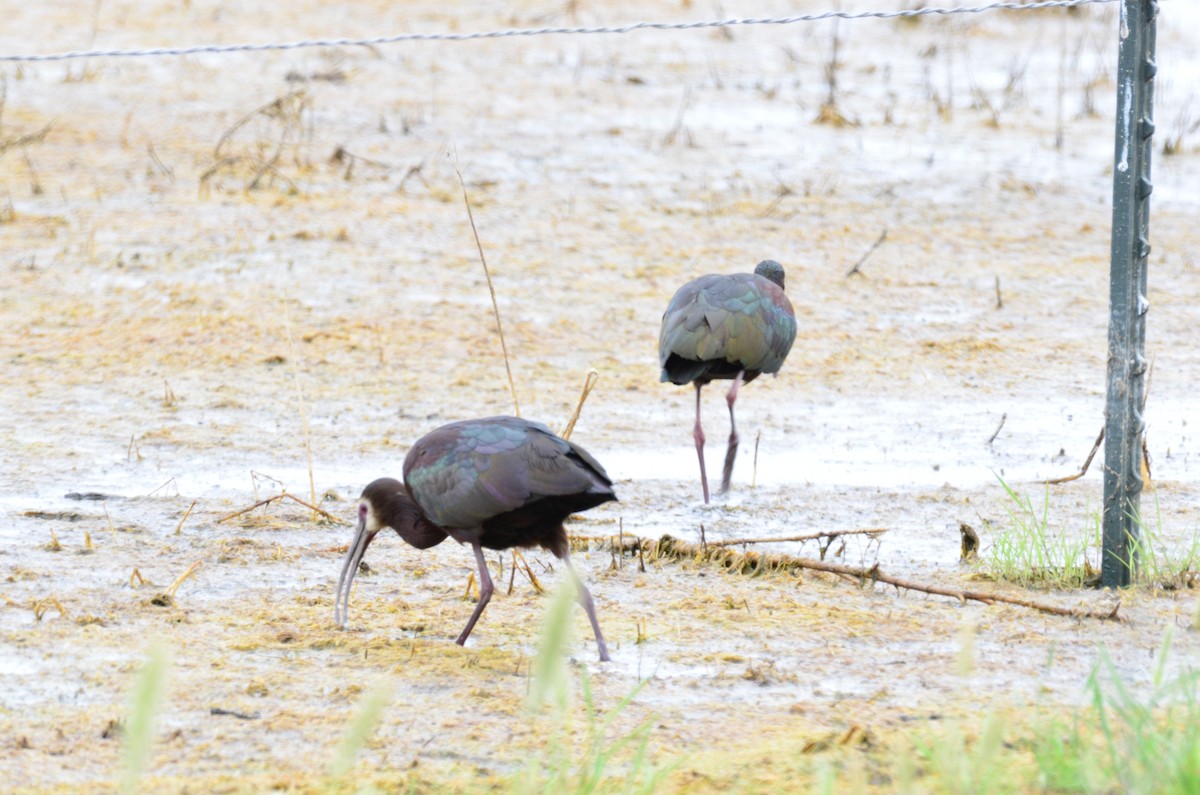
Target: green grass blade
550	685
139	727
358	731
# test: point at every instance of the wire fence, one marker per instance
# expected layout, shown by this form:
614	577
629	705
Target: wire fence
547	31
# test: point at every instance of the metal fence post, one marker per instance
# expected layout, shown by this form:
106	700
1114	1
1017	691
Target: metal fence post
1124	425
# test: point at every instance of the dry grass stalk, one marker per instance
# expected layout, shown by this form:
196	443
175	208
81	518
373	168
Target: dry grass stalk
287	327
25	140
589	383
167	597
512	385
186	514
43	606
133	450
533	580
283	119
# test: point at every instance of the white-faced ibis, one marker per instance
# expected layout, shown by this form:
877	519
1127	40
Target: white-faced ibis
734	326
493	483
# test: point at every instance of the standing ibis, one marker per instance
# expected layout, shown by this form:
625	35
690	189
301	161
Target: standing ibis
734	326
498	483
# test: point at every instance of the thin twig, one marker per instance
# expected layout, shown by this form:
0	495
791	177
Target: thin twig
870	251
589	383
1082	470
992	438
291	497
163	486
512	385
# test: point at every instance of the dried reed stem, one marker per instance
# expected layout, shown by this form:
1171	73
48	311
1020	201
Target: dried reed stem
589	383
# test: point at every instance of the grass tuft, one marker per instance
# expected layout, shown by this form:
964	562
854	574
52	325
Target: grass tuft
591	768
1029	553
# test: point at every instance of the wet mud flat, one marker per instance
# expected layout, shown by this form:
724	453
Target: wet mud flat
208	283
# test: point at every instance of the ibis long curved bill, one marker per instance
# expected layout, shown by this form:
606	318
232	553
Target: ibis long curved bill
354	555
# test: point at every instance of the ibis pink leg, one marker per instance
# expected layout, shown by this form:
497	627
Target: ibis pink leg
731	450
485	593
589	607
698	435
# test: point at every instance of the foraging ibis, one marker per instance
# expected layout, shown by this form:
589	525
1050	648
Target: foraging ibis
493	483
735	326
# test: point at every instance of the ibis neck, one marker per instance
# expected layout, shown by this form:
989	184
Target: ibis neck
403	515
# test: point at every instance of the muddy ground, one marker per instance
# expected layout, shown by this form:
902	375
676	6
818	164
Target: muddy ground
220	268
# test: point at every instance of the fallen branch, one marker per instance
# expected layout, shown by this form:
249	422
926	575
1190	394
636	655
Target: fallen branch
291	497
754	563
830	534
1082	470
870	251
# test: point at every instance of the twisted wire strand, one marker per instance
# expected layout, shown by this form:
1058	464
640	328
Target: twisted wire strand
545	31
